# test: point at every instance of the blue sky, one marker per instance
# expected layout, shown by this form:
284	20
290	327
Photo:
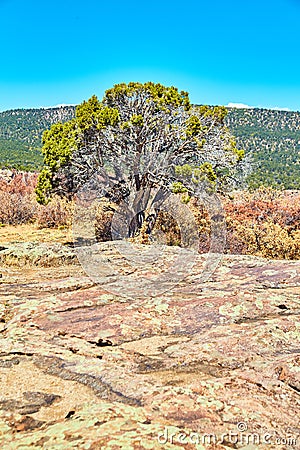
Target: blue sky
235	51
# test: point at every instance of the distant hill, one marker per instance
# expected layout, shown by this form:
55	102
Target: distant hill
271	137
21	132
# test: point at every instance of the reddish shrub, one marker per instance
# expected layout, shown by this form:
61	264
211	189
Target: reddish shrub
58	213
16	208
264	223
14	182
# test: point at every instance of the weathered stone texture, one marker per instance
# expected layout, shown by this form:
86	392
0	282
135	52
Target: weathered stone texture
83	368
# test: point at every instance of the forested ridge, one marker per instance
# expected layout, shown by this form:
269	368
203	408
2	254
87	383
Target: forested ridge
21	133
271	137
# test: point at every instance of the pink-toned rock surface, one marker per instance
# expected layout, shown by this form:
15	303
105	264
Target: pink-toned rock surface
83	368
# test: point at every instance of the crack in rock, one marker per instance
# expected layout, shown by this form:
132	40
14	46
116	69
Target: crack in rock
55	366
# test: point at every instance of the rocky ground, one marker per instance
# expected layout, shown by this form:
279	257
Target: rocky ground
209	364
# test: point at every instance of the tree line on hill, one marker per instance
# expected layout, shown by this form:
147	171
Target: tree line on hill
270	138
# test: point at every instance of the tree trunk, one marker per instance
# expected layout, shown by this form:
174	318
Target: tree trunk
146	208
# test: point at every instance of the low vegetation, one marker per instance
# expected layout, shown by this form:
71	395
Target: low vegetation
264	223
18	203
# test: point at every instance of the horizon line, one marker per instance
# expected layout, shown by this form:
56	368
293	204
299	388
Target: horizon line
231	105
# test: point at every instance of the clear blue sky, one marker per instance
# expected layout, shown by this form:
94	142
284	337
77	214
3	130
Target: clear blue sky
219	51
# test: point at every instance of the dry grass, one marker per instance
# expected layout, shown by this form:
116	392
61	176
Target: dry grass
32	233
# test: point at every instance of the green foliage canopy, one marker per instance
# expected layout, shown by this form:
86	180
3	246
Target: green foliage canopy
138	135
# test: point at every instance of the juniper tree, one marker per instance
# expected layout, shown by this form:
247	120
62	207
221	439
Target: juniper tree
142	141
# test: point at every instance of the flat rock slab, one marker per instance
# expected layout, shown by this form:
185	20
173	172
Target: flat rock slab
209	364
